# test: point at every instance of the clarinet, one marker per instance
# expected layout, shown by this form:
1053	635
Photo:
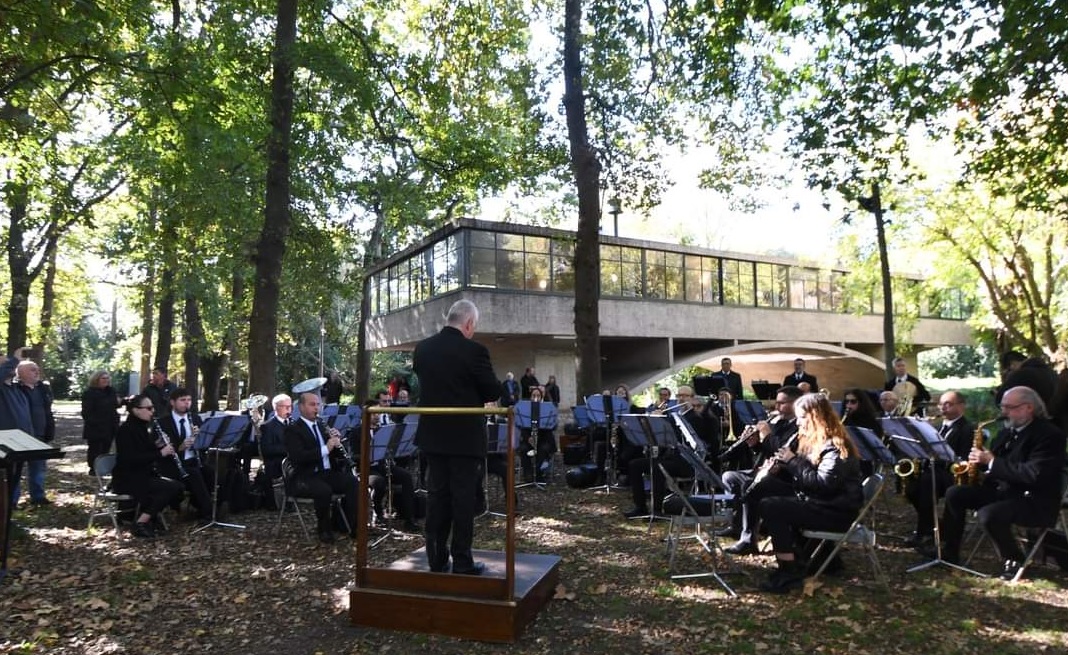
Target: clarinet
328	432
161	441
767	467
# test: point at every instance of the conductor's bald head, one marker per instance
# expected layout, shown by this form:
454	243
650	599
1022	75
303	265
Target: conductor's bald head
463	315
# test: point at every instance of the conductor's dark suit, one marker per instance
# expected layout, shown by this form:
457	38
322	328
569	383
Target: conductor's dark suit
201	477
793	380
731	382
1023	487
311	479
453	371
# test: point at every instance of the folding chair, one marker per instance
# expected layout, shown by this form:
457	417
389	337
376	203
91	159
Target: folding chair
861	532
105	501
703	526
294	503
1059	523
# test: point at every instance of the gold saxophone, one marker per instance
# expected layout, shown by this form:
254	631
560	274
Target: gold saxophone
964	472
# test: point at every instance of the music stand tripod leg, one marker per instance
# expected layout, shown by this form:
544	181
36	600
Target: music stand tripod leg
215	503
938	536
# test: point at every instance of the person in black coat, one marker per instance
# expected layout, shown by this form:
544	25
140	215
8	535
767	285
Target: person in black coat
552	391
799	375
827	487
454	371
959	433
731	381
318	469
1020	371
159	390
181	426
138	454
100	416
1022	483
903	383
272	436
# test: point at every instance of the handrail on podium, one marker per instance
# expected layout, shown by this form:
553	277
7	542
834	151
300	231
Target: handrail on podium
476	584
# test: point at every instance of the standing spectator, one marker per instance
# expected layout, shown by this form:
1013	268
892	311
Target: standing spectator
528	382
39	402
732	381
800	375
100	416
1033	372
14	407
552	391
509	390
159	390
332	389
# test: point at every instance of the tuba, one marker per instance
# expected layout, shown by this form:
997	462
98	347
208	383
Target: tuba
906	395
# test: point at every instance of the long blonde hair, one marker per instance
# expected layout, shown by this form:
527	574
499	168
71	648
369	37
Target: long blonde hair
819	426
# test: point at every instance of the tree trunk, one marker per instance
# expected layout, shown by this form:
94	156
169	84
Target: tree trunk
18	268
148	305
587	170
270	250
232	367
48	294
372	254
211	369
193	327
888	289
165	325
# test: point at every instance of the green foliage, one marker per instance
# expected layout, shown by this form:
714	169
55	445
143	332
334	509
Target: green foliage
959	361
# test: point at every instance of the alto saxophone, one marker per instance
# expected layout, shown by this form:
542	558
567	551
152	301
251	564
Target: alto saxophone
964	472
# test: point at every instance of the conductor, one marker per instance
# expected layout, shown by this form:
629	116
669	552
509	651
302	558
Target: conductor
453	371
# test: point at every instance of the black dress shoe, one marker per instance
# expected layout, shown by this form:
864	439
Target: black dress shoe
144	530
326	536
1009	570
412	527
742	548
478	569
635	512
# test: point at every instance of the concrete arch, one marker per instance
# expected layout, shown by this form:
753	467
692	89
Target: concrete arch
874	368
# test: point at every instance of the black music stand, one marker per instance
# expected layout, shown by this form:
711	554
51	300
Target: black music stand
16	448
870	446
535	416
604	410
917	439
496	444
652	432
220	434
750	412
389	442
765	390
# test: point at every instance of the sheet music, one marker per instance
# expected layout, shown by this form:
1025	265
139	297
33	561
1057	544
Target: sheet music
17	441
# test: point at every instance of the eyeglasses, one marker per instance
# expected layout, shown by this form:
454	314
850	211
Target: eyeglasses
1009	408
851	401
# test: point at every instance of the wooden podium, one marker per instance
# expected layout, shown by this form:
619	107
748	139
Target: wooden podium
16	447
406	595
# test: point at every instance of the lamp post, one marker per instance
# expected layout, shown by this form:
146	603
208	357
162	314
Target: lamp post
615	208
322	344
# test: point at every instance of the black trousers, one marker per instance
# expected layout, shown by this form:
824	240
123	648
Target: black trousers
638	469
452	483
403	502
784	518
533	467
321	487
747	499
152	493
918	493
198	482
997	513
98	446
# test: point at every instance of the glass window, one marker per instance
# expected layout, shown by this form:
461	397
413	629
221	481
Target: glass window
483	267
509	269
536	244
563	274
537	272
771	285
481	239
510	241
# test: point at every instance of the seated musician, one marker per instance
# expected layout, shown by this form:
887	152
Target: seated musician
181	427
826	486
676	466
888	403
384	471
318	467
959	434
764	440
137	453
272	436
903	383
859	411
1021	485
543	447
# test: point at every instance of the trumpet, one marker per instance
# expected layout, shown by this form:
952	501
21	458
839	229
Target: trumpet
907	467
728	415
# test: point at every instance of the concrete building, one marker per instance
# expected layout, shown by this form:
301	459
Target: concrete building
663	307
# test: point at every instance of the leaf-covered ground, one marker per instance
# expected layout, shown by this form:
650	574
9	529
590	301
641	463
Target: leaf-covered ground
254	591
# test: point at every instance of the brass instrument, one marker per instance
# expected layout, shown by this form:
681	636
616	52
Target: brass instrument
907	467
162	441
728	414
906	395
254	406
966	473
773	418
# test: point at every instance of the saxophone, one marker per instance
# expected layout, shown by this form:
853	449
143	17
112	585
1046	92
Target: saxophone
965	473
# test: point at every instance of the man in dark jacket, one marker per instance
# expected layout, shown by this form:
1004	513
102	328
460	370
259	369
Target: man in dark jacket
38	396
453	371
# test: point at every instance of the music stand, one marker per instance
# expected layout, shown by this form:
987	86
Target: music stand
603	410
870	446
219	434
653	433
496	444
389	442
535	416
765	390
917	439
750	412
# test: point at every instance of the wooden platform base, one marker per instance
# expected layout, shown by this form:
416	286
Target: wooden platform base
407	596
